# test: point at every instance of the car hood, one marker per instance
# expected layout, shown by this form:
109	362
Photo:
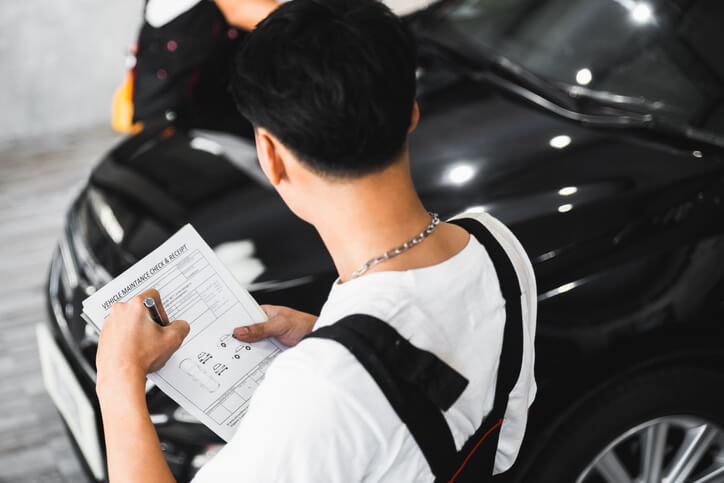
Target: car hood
570	193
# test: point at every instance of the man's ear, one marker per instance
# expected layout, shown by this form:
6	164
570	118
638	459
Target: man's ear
415	117
267	150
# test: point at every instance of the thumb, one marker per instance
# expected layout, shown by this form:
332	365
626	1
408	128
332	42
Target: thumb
262	330
177	330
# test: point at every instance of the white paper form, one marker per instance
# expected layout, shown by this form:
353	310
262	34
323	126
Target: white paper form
212	375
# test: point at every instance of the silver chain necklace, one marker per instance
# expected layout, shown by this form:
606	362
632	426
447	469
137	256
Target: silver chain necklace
393	252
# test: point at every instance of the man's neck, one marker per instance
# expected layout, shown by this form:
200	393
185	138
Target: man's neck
363	218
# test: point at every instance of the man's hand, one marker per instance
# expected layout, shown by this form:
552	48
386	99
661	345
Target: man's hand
289	326
131	344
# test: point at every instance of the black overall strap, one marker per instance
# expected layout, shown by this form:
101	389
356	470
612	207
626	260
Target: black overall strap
418	385
477	456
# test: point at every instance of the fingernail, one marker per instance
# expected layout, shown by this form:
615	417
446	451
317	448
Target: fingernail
241	332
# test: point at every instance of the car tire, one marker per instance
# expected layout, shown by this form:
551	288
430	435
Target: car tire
605	434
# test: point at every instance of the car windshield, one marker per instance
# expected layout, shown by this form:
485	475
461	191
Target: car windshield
656	57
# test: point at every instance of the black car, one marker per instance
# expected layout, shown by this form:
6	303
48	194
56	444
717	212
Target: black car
593	128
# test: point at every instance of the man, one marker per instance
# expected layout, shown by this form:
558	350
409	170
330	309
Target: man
329	86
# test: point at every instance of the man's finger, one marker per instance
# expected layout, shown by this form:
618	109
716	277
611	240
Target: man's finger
180	329
262	330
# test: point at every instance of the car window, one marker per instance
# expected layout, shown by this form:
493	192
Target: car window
654	56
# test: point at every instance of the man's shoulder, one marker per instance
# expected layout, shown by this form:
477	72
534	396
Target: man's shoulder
391	295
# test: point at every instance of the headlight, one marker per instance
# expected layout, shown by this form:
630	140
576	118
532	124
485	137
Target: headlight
80	228
104	214
73	272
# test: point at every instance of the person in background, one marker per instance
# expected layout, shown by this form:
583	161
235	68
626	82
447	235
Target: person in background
179	66
246	14
329	86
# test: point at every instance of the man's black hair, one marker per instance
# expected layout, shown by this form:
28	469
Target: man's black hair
334	80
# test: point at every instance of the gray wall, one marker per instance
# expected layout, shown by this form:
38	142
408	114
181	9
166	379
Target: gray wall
60	62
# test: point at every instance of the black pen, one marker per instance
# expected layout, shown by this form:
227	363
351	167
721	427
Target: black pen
153	311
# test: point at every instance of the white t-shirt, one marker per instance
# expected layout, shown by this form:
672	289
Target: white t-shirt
319	416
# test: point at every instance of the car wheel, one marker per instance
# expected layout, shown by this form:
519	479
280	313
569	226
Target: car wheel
668	449
656	425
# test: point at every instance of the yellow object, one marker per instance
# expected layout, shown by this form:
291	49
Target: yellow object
122	108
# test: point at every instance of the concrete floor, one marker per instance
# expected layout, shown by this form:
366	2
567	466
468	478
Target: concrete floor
37	182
